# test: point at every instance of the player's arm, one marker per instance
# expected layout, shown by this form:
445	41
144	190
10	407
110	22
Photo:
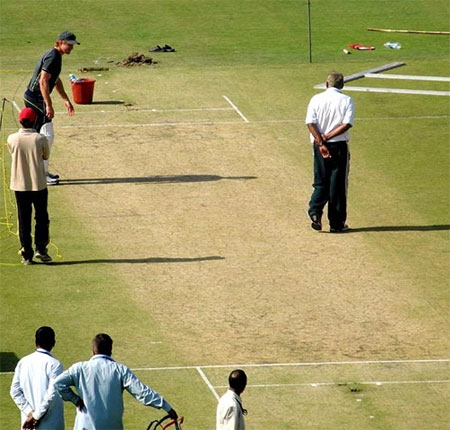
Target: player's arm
144	394
337	131
44	85
63	383
318	139
50	393
17	394
62	92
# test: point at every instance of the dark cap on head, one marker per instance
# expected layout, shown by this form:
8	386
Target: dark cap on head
68	37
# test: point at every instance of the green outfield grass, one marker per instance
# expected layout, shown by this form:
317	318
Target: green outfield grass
184	233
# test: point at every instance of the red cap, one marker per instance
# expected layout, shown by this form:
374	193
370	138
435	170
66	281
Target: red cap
27	113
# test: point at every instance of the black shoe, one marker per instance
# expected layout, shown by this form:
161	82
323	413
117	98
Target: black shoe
316	222
157	48
52	176
168	48
43	256
342	229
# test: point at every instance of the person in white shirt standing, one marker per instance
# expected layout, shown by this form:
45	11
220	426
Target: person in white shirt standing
230	413
329	117
100	383
32	386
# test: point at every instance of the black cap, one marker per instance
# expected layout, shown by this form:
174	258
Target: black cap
68	37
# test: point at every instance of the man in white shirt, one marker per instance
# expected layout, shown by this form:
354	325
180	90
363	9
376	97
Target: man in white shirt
230	413
32	386
329	117
100	383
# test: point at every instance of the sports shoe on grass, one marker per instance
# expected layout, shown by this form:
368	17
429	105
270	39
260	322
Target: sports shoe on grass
52	176
51	181
343	229
43	256
316	222
27	261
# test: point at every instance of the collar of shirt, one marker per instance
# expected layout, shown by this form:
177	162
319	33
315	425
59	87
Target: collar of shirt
334	89
98	356
43	351
27	130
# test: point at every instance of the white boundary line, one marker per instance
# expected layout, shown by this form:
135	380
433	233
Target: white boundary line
306	364
215	123
146	110
319	363
407	77
398	91
236	109
206	380
328	384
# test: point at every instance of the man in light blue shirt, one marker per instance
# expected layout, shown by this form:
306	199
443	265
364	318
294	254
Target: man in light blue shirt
100	383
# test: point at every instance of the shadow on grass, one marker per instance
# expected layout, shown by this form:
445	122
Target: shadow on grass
400	228
8	361
153	179
108	102
151	260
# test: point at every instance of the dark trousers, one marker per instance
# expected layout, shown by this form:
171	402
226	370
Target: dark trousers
330	183
38	105
25	202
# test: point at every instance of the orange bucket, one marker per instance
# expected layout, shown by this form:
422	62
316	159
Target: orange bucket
83	91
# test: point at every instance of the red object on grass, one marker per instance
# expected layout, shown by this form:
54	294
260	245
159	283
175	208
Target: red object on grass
361	47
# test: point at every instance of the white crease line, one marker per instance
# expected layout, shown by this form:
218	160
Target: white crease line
215	123
328	384
206	380
326	363
397	91
407	77
147	110
236	109
318	363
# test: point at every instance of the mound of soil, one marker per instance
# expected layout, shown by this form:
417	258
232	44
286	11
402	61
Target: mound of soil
136	59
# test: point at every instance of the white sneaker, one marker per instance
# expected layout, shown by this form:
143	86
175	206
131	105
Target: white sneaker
51	181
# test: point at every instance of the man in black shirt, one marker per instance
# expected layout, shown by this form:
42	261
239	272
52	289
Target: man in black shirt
45	78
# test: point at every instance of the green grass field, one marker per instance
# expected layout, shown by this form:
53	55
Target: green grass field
179	227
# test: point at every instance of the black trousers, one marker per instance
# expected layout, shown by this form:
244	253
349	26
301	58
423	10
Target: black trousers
25	202
331	183
38	105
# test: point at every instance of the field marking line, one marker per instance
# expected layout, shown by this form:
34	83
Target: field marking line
319	363
398	91
408	77
307	364
148	110
214	123
236	109
328	384
206	380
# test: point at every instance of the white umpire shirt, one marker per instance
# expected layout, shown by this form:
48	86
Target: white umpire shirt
328	110
230	414
32	389
100	383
